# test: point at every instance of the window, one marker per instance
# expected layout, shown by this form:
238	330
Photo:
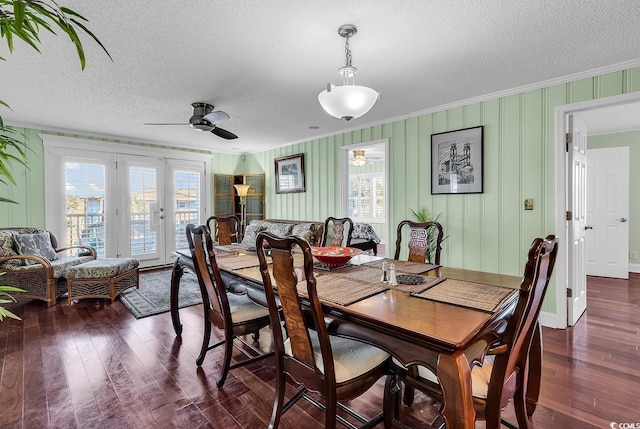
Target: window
366	197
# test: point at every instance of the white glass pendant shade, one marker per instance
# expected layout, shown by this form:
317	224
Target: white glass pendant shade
348	101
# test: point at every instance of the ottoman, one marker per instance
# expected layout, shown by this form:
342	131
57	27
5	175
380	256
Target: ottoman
101	278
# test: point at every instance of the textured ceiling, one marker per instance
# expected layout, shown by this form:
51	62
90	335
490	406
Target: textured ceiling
264	62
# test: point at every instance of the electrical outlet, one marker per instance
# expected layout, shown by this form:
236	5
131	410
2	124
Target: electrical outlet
633	255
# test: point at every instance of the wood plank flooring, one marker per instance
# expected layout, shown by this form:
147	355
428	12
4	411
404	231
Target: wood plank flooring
94	365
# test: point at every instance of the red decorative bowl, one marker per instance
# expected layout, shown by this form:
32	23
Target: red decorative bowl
334	256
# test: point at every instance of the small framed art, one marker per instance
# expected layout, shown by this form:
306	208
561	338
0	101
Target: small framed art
290	174
456	162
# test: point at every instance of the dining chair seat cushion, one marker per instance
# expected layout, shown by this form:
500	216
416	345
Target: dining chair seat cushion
351	358
243	308
480	376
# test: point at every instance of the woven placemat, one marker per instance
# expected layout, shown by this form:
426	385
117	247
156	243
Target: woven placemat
360	273
404	266
467	294
342	290
429	282
238	262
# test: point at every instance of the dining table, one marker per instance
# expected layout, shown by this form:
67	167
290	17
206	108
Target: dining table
446	321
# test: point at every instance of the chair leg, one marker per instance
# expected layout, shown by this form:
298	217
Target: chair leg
331	405
520	407
205	342
226	362
278	402
391	401
409	391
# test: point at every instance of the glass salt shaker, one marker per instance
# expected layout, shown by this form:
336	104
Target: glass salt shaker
384	278
392	275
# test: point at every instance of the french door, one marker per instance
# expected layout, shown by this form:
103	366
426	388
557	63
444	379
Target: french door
123	204
159	197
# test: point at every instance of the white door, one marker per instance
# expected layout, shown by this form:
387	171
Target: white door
607	234
576	205
141	210
185	193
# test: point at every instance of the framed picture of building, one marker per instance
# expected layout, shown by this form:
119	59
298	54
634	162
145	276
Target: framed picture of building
290	174
456	161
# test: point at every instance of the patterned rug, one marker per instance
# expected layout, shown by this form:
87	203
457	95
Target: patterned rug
154	294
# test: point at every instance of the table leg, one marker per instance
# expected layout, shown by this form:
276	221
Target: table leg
534	373
176	275
454	375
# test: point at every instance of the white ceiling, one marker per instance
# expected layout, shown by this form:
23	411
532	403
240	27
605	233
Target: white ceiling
264	62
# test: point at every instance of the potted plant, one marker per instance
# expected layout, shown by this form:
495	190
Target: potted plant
24	20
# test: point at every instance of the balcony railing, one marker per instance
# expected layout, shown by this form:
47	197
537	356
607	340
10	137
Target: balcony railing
88	230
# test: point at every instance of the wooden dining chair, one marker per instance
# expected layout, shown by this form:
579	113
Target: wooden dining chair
226	229
504	371
235	314
425	241
337	368
337	232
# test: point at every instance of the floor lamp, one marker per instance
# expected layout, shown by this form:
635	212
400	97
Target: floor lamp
242	190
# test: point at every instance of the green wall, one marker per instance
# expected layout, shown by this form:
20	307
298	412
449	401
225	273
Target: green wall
631	139
489	231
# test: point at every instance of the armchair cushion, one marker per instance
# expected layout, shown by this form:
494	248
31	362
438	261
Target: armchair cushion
38	244
59	265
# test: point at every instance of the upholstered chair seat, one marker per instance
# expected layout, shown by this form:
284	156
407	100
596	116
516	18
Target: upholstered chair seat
243	308
350	358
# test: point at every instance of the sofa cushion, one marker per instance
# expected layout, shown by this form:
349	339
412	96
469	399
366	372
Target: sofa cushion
38	244
305	230
280	229
251	233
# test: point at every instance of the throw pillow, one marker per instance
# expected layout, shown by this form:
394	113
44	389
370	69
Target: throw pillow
251	234
305	230
280	229
7	248
35	244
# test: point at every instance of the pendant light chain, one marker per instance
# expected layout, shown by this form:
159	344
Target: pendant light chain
347	51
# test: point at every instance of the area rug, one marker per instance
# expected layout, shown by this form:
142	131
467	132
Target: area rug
153	296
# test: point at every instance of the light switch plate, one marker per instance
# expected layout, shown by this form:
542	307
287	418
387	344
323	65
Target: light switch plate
528	204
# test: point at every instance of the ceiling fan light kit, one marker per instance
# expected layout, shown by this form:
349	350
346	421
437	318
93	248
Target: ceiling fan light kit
348	101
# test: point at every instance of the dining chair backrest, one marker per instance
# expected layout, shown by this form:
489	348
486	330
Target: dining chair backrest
225	229
337	232
214	297
301	364
516	341
425	241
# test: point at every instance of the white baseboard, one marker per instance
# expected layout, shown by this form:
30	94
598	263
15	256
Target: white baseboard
550	320
634	268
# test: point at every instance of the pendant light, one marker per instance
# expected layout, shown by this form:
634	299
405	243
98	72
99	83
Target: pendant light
348	101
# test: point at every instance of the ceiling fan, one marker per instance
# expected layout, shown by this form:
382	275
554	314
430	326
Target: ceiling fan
359	159
205	119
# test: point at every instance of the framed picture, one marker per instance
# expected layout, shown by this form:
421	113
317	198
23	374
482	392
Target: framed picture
290	174
456	162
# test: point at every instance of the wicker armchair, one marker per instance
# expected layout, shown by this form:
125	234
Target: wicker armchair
41	277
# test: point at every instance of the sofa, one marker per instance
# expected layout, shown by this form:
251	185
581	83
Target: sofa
31	260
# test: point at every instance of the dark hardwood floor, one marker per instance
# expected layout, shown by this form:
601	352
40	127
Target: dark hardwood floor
94	365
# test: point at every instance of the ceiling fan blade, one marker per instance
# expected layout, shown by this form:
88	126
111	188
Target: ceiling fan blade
216	117
224	133
165	123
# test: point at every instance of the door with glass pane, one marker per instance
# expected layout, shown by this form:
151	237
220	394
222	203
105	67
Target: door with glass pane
141	217
186	194
85	196
160	198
